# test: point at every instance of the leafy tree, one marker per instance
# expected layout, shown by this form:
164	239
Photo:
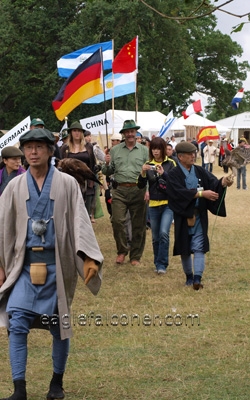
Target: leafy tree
174	59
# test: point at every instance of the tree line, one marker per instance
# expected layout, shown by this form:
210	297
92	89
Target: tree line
175	59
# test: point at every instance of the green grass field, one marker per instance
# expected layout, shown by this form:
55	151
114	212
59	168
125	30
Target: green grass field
148	347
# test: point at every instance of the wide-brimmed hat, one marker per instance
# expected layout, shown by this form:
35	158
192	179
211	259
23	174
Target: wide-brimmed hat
37	121
75	125
129	124
185	147
11	151
37	135
116	136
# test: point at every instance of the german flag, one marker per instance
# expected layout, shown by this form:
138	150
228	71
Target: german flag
207	133
83	83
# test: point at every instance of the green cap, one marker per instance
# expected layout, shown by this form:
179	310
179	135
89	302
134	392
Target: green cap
64	134
37	121
129	124
38	135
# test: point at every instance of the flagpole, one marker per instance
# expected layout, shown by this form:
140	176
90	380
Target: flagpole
113	101
136	98
104	96
113	92
136	71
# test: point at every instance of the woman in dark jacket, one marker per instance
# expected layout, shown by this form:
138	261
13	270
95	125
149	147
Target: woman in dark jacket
77	148
154	173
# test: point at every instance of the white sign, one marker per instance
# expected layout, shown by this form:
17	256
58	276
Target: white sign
98	123
12	137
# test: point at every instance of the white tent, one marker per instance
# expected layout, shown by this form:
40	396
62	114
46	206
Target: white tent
239	121
198	121
150	122
239	126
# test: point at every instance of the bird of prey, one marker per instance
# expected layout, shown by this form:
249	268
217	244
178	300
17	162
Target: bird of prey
79	170
237	157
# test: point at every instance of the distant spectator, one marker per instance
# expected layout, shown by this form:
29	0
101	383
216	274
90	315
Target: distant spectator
10	166
138	137
224	145
242	171
169	152
37	123
209	155
173	143
64	136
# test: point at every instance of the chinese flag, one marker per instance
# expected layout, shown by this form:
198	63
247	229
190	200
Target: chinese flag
126	60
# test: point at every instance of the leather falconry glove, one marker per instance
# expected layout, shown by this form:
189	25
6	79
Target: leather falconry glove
228	180
90	269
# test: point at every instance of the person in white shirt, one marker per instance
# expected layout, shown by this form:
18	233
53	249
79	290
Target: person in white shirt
209	155
173	144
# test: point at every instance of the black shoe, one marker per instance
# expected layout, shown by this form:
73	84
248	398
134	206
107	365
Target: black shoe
190	280
55	388
20	391
197	282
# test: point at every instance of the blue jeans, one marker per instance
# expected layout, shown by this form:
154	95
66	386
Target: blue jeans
20	323
161	218
209	167
241	172
198	261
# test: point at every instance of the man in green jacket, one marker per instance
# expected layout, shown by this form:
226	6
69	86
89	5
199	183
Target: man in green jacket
125	161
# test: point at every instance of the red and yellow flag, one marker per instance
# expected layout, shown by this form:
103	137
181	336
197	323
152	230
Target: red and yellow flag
126	60
207	133
83	83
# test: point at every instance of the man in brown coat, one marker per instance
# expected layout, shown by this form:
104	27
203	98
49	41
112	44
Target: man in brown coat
46	239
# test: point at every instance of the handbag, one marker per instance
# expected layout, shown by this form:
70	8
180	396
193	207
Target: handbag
161	185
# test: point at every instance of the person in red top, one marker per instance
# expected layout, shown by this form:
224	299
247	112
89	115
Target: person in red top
224	145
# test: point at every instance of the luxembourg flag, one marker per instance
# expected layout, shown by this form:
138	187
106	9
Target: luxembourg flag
167	124
192	109
237	99
123	84
68	63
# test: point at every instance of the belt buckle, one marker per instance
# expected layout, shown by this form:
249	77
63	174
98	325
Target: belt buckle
37	248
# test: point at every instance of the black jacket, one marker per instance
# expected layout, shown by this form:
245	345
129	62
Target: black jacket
152	179
182	203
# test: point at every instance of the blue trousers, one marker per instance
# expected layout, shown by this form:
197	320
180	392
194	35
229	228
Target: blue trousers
20	323
197	264
241	172
161	218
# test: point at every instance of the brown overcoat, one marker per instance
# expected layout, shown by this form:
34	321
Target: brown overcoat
74	235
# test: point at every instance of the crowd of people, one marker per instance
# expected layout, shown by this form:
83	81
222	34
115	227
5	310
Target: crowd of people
46	223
